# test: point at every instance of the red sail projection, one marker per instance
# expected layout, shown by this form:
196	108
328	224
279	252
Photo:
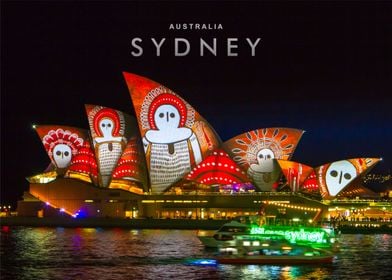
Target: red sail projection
83	165
110	135
175	137
256	152
217	168
295	173
334	177
61	143
131	170
310	185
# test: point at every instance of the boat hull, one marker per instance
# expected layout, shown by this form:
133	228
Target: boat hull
275	260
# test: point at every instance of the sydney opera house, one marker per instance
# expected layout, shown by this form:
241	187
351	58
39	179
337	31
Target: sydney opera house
168	162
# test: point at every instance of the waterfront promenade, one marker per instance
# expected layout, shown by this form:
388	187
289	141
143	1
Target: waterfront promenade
344	226
113	222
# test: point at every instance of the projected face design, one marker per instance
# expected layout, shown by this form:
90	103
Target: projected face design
265	161
338	175
62	155
169	144
265	154
61	144
106	127
167	117
108	131
264	158
106	124
257	151
262	172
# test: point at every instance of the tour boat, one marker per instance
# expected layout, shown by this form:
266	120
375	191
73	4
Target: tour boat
318	237
224	235
270	249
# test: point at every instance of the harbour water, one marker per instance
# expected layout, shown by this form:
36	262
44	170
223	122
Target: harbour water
96	253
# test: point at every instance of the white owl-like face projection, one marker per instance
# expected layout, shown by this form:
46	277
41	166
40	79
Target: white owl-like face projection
62	155
106	126
339	174
265	159
264	155
166	117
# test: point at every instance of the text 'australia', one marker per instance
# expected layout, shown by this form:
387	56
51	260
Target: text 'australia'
184	47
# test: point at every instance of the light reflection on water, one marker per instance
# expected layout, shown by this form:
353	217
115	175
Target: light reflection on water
95	253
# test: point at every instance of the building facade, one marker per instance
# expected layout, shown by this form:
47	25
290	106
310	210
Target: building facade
169	162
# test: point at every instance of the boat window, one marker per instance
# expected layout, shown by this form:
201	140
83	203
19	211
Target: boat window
229	251
233	229
223	237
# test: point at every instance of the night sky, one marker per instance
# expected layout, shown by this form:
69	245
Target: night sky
323	67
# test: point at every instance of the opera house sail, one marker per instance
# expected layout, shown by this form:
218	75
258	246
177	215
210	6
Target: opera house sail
257	151
61	143
295	173
117	150
219	170
335	176
175	136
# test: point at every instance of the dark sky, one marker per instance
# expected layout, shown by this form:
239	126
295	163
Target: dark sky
324	67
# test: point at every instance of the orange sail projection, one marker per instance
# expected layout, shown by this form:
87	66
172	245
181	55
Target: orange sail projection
110	135
295	173
61	143
256	152
175	136
335	176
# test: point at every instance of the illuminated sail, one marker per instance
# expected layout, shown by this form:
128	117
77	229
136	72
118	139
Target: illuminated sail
61	143
335	176
83	165
217	168
175	137
110	135
131	170
257	151
295	173
310	184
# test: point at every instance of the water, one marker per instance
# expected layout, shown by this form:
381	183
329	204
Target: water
89	253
